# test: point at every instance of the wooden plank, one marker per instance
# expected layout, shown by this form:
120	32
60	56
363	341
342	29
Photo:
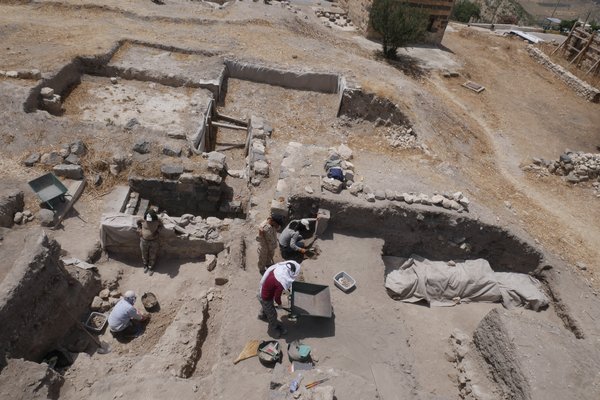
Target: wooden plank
579	56
231	119
78	189
228	126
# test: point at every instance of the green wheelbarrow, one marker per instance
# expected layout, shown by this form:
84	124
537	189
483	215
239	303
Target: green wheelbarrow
49	189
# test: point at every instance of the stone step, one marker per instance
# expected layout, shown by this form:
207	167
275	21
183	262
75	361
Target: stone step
142	207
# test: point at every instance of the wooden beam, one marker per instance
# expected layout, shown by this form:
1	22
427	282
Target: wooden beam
595	66
580	55
232	119
228	126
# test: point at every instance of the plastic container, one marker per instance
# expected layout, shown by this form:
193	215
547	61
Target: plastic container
95	327
344	281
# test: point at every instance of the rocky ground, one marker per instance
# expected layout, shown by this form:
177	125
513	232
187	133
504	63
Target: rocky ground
456	141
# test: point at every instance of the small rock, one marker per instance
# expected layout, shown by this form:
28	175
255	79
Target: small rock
380	195
11	74
345	152
308	189
47	92
437	199
65	151
332	185
27	213
114	80
115	293
141	146
78	148
32	159
356	188
221	280
211	262
579	265
131	124
261	168
97	180
72	159
104	294
96	304
371	197
18	218
447	203
46	217
52	158
408	198
216	161
171	150
390	194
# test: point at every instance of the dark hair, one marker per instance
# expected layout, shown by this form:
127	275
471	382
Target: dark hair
292	267
152	214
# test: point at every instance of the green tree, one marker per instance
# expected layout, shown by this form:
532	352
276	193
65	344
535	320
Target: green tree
595	25
567	24
398	24
464	9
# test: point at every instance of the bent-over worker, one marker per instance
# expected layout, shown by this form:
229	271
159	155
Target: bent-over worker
124	319
276	279
148	229
267	241
291	241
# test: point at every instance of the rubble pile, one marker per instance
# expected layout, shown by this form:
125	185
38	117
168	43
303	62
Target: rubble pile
331	18
401	137
575	166
65	162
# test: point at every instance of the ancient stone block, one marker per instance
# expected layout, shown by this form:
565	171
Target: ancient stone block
332	185
171	171
68	171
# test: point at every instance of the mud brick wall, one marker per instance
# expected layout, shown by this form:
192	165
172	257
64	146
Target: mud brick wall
37	299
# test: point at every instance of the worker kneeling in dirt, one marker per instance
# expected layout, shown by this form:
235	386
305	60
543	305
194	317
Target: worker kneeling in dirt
291	241
148	230
267	241
276	279
124	319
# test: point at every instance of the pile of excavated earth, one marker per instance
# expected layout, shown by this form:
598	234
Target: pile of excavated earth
442	263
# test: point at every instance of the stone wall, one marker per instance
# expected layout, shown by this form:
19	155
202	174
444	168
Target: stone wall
198	194
437	235
39	299
581	88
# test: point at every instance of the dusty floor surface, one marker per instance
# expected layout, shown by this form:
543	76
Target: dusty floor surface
475	143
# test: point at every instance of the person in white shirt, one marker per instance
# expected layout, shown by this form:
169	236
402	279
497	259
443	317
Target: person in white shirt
125	319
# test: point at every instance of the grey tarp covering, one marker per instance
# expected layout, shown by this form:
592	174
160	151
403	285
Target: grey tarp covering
118	229
441	284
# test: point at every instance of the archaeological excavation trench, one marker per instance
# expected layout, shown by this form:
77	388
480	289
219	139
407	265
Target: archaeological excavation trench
500	338
173	94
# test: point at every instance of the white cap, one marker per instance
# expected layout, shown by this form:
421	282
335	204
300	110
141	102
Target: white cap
148	217
130	294
305	222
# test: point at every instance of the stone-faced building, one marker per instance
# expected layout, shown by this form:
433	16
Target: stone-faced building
438	10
